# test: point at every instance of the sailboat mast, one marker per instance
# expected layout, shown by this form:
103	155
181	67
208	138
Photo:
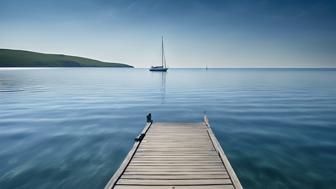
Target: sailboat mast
162	54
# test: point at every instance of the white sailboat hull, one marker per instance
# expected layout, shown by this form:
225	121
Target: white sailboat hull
158	69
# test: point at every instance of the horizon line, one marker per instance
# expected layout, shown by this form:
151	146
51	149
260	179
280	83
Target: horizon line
256	67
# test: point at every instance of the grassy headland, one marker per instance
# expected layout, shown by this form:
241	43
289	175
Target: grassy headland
20	58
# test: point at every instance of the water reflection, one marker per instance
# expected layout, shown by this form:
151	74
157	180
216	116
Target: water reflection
72	127
163	87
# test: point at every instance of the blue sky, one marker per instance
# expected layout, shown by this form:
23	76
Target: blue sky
223	33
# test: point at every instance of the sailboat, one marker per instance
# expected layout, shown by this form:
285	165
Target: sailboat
163	67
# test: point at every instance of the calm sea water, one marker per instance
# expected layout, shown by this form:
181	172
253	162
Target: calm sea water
72	127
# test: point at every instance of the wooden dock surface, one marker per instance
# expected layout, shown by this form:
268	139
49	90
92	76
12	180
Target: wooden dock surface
178	156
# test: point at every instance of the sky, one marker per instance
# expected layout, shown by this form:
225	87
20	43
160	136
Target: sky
216	33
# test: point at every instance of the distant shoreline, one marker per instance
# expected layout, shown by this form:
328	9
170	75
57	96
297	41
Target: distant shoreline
29	59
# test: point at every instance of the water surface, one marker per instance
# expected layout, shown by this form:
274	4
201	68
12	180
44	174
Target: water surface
72	127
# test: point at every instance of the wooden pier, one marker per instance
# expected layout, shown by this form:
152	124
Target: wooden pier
175	156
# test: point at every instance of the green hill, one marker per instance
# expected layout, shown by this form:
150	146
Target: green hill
19	58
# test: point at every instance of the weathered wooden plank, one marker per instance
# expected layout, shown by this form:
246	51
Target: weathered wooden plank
168	139
194	153
173	124
184	149
182	141
158	142
180	133
166	165
184	132
194	136
203	146
178	147
175	162
191	139
181	152
177	168
180	160
175	173
176	159
194	159
176	130
170	155
171	127
175	156
175	177
171	139
167	154
175	187
176	141
167	144
164	182
192	149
